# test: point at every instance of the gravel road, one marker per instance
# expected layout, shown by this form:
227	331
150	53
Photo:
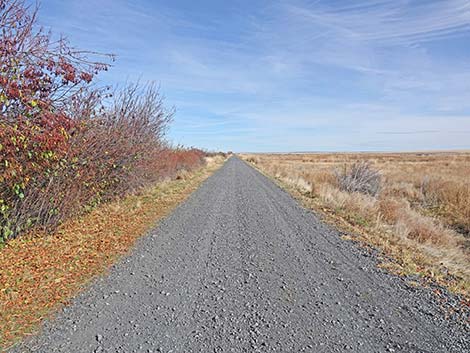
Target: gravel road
241	267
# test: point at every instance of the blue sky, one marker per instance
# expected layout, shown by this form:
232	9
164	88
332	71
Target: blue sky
290	75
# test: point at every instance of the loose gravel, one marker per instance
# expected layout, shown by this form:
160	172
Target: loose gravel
241	267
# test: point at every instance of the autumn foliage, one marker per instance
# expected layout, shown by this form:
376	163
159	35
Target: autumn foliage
65	145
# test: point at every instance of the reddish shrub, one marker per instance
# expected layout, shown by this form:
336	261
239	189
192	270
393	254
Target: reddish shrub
61	151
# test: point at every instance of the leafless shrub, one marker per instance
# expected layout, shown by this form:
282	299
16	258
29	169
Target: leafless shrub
360	177
428	192
252	159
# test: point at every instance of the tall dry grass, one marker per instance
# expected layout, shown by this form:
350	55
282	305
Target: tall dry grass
421	213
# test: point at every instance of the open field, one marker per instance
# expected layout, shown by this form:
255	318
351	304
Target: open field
420	213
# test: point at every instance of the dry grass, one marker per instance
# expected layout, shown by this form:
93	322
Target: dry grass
38	272
421	216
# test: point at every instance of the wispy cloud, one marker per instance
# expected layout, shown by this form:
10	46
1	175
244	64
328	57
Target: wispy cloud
392	22
291	74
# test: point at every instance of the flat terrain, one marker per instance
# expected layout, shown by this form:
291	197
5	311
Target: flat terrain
241	267
419	213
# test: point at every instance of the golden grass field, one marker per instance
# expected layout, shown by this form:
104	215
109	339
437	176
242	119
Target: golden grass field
421	215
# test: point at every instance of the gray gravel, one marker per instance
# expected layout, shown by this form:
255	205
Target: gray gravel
241	267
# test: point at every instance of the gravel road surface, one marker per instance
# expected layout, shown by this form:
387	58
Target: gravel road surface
241	267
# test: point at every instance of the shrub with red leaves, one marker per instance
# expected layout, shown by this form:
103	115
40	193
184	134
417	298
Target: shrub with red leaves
37	78
61	151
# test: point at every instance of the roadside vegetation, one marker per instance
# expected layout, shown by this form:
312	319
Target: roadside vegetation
67	145
415	207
